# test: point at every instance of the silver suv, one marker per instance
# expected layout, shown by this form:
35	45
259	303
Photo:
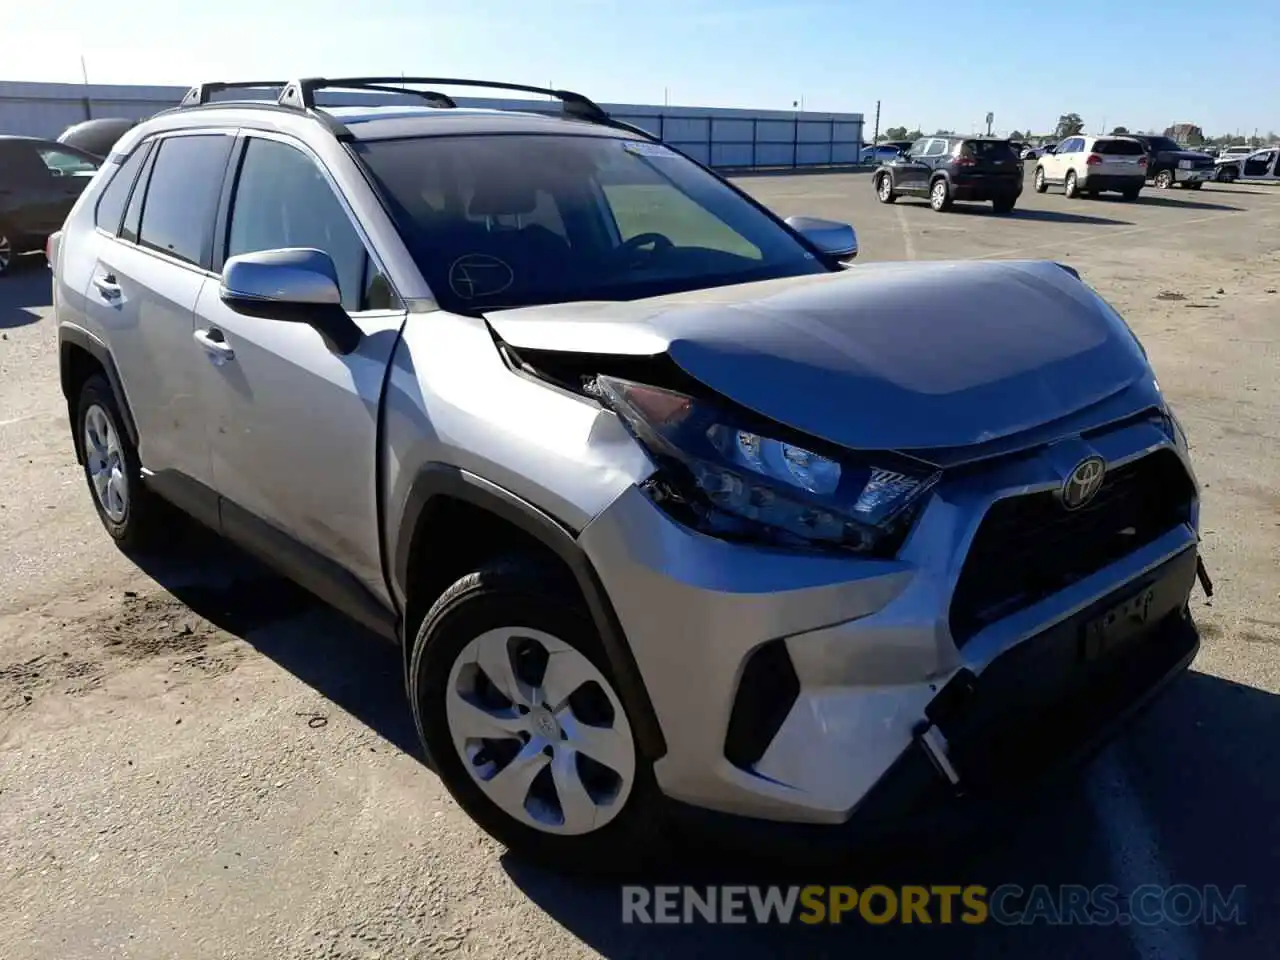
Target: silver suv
669	510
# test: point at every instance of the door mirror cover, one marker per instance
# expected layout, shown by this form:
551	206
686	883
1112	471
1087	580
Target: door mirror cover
294	285
836	240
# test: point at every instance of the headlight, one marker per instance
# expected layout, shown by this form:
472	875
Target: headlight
729	479
1184	164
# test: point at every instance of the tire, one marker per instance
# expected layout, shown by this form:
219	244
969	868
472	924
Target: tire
940	195
511	614
884	189
1164	179
8	250
1195	185
1071	186
1004	204
134	516
1041	184
1131	195
1226	174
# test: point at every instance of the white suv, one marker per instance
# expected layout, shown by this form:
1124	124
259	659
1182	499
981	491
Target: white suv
1093	165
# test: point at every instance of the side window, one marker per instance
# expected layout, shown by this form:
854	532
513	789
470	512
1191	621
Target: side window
64	163
182	196
133	212
917	148
937	148
283	200
111	204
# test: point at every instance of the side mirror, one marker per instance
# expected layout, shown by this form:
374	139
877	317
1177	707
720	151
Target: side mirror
294	285
836	240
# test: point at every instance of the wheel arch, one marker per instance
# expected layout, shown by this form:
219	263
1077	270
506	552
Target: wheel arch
446	503
80	356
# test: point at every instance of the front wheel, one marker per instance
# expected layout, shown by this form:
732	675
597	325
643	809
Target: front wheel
884	189
1226	174
940	195
1072	186
1164	179
514	702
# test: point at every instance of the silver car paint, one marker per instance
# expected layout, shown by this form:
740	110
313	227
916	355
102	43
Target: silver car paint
869	638
847	357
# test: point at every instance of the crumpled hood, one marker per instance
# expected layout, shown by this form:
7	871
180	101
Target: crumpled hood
888	356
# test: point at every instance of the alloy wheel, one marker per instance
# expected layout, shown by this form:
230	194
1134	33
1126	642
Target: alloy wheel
540	730
886	188
938	195
105	463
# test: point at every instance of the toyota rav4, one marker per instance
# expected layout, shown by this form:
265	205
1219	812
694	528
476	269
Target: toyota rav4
669	507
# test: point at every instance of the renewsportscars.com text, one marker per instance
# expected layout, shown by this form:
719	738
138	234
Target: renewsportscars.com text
1009	904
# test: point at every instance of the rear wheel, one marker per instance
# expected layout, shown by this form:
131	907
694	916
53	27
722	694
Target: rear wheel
1041	183
940	195
884	189
7	250
514	701
1004	204
1071	186
1164	179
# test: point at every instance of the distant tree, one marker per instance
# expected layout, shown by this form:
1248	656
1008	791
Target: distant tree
912	135
1069	124
897	133
1120	132
1019	135
944	133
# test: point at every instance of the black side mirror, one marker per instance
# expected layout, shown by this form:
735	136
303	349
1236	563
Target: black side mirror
293	285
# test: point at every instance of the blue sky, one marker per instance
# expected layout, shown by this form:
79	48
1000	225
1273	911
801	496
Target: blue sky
1141	63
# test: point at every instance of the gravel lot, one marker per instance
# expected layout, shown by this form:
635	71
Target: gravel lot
201	762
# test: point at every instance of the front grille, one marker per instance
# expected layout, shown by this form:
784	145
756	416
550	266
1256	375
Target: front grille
1030	547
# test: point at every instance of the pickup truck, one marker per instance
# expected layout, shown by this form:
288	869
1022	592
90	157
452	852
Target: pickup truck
1168	164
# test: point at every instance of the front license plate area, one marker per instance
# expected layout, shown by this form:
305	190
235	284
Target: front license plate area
1118	625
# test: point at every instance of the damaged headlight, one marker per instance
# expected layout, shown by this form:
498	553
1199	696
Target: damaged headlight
734	481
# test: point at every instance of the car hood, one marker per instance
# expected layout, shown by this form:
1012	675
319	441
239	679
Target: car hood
884	356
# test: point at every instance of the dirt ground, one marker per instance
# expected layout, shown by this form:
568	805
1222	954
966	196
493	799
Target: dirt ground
198	761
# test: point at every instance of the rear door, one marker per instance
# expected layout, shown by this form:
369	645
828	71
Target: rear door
1121	157
142	293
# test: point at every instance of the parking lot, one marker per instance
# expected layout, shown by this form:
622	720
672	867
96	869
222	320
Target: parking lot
199	761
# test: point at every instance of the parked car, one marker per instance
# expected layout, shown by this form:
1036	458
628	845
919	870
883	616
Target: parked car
668	509
947	169
1170	165
1035	153
880	153
1091	165
96	136
902	146
1237	151
39	182
1259	165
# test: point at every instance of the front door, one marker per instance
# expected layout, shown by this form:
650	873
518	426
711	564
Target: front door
911	173
294	435
1260	165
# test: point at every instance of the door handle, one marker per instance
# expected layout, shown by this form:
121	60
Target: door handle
107	286
215	344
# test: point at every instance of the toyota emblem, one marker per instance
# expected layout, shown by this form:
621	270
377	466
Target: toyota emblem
1084	482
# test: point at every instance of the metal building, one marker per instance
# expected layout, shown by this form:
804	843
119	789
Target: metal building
715	136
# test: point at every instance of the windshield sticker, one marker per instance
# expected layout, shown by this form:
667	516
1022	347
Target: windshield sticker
643	148
479	275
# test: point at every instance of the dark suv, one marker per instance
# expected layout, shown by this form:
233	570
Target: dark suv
39	183
946	169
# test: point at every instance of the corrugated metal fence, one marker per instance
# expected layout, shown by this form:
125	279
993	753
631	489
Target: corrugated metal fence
718	137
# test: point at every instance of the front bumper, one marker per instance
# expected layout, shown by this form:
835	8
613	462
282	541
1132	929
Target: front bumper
868	643
1201	175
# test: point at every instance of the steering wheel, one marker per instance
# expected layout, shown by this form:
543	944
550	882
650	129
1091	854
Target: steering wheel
630	249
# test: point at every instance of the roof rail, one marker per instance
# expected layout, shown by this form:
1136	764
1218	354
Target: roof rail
201	93
300	94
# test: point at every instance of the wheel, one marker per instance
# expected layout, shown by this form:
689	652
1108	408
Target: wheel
7	250
1041	183
1071	187
1195	185
884	189
132	514
940	195
1226	174
1004	204
1131	194
1164	179
514	702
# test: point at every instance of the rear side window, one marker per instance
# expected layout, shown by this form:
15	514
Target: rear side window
182	196
988	150
1119	148
111	204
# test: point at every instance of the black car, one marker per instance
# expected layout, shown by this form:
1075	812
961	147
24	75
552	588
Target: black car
96	136
1168	164
946	169
39	183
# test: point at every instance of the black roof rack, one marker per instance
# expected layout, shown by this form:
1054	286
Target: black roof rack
201	93
301	94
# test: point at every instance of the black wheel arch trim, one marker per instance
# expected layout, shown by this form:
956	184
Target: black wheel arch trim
76	337
436	480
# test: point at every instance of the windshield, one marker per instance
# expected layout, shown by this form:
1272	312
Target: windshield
500	220
1164	143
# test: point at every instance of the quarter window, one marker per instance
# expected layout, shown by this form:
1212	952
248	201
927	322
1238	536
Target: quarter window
182	196
283	200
